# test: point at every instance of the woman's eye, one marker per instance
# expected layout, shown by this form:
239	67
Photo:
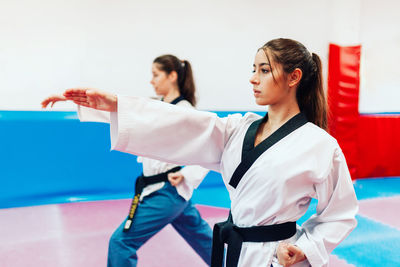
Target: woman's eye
253	71
264	70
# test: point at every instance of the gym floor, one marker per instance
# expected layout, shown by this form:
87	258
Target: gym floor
76	234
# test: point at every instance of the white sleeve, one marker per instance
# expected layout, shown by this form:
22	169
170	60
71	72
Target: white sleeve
93	115
194	175
170	133
335	216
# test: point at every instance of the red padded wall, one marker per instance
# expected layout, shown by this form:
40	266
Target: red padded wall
371	143
343	95
378	146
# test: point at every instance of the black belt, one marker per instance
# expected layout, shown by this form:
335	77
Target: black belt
141	183
234	236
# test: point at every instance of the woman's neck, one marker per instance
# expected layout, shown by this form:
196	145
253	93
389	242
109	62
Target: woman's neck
171	95
279	116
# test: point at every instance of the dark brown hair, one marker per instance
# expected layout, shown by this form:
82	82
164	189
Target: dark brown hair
170	63
310	92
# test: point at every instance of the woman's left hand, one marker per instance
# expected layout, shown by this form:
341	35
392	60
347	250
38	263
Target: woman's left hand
289	254
175	178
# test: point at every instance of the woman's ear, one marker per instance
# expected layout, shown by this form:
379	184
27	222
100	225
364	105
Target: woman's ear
295	77
173	76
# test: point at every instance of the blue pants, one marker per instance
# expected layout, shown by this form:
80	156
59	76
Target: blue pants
154	213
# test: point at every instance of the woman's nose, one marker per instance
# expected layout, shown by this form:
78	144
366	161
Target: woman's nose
254	79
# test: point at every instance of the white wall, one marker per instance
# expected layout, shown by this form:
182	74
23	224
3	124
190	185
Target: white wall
380	71
49	45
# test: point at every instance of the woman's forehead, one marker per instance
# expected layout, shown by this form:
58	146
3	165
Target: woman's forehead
156	67
263	56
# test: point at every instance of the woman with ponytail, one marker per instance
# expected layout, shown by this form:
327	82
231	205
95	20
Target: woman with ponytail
163	192
272	166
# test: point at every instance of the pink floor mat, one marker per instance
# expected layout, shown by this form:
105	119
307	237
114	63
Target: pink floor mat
76	235
384	210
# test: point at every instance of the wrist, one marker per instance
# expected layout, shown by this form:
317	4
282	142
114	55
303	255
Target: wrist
114	101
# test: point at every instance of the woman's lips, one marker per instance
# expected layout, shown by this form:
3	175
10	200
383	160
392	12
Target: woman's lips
256	92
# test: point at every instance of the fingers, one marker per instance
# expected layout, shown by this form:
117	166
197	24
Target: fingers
77	95
91	98
80	96
75	92
82	92
172	182
294	250
52	99
172	179
175	178
283	254
45	103
289	254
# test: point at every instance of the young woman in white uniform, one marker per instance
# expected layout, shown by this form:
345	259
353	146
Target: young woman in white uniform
272	166
161	202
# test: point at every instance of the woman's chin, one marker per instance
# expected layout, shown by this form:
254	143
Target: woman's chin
260	102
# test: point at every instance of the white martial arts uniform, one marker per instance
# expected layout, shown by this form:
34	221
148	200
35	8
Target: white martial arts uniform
308	163
193	174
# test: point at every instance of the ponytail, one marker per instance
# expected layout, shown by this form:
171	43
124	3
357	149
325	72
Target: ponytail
186	86
311	95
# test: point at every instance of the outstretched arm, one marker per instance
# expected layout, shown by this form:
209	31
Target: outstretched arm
169	133
161	131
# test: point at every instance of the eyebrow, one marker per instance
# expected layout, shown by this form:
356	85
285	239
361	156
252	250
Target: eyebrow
262	64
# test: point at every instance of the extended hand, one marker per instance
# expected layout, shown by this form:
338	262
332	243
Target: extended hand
175	178
289	254
92	98
53	99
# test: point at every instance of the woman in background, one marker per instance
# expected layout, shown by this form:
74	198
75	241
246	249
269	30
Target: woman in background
162	194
